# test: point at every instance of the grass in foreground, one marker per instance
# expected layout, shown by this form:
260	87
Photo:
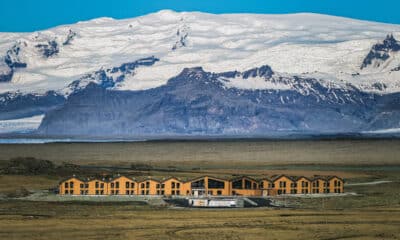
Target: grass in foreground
27	220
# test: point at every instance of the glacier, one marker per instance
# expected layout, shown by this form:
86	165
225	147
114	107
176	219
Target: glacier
198	74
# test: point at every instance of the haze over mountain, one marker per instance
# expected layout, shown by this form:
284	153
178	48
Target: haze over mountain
195	74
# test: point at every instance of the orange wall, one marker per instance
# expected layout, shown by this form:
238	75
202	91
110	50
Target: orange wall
124	186
74	190
317	186
307	186
339	187
284	189
97	189
174	187
149	187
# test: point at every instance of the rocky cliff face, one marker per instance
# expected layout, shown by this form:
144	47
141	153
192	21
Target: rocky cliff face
381	52
198	103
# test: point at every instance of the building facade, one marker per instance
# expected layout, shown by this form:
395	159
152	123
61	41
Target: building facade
203	186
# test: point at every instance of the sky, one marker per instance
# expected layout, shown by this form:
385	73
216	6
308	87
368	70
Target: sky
33	15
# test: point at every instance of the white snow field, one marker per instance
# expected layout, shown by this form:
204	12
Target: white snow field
326	47
20	125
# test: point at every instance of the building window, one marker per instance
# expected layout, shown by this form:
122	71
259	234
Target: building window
254	185
261	184
158	186
158	192
162	192
247	184
97	184
117	185
279	192
142	192
282	184
147	192
147	184
215	184
237	184
219	193
127	185
132	192
66	192
142	185
71	184
178	185
112	192
81	185
86	185
102	185
198	184
293	185
116	192
112	185
71	191
293	191
132	185
163	186
172	184
66	185
102	192
97	192
178	192
173	192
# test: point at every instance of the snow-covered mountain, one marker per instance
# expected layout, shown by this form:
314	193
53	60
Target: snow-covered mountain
192	73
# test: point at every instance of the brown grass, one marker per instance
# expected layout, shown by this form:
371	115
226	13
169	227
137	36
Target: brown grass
24	220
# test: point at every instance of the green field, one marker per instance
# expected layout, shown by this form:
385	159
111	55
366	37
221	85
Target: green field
373	213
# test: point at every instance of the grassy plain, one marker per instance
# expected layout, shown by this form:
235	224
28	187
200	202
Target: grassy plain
374	213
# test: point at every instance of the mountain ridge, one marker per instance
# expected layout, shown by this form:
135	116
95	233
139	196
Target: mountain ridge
267	68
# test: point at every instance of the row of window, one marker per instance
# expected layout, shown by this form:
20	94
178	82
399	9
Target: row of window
201	184
282	184
305	191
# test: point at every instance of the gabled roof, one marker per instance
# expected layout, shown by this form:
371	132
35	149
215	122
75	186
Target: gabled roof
170	178
212	177
297	178
276	177
118	177
71	178
147	178
242	177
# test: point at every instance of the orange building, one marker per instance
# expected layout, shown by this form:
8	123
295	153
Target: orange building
335	184
284	185
150	187
97	187
267	187
173	187
245	186
121	185
319	185
72	186
202	186
210	186
303	185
